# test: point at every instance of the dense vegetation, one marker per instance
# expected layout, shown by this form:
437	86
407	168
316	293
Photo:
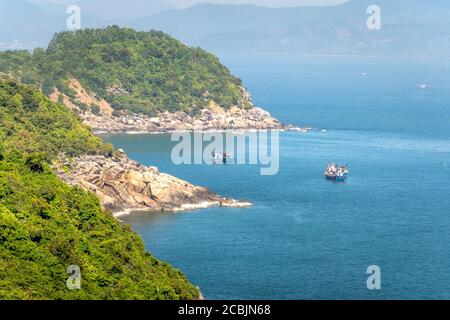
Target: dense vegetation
46	225
152	71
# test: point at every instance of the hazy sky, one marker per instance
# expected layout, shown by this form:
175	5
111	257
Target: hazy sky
268	3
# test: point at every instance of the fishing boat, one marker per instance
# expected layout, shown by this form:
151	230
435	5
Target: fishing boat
336	172
221	157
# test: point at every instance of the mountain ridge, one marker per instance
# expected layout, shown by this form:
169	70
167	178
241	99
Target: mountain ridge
413	28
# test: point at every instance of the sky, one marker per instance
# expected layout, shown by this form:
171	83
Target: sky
266	3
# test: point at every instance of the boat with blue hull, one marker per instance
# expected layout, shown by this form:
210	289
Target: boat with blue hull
336	172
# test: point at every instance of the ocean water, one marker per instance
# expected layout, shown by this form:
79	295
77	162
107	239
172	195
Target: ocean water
305	237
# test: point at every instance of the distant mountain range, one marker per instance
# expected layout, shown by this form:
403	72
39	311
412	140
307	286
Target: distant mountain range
28	24
108	10
414	27
21	24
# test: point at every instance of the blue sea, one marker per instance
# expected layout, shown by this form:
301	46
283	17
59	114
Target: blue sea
306	237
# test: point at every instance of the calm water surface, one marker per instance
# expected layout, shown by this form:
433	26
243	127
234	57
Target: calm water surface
306	237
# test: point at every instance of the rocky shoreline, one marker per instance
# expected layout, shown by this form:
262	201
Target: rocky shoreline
233	119
124	186
102	118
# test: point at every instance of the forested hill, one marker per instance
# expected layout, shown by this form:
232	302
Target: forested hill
47	226
145	72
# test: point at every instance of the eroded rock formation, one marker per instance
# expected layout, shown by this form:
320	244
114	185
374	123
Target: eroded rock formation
124	185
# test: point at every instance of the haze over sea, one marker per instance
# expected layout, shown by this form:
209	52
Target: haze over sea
306	237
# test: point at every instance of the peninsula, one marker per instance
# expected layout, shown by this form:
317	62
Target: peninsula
120	80
61	186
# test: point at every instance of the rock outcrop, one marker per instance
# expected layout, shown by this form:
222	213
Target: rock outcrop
124	185
235	118
101	117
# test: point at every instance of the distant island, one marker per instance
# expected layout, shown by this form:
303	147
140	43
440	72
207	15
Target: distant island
120	80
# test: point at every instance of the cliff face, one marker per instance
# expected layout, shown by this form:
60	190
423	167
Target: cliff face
123	185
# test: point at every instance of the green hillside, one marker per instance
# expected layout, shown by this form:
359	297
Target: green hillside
144	72
46	225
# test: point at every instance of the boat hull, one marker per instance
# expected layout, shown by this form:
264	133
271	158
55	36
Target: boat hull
336	178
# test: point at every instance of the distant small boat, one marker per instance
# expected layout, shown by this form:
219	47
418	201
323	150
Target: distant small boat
422	86
336	172
221	157
363	74
216	156
228	155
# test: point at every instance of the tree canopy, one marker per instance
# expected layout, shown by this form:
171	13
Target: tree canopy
152	71
47	225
